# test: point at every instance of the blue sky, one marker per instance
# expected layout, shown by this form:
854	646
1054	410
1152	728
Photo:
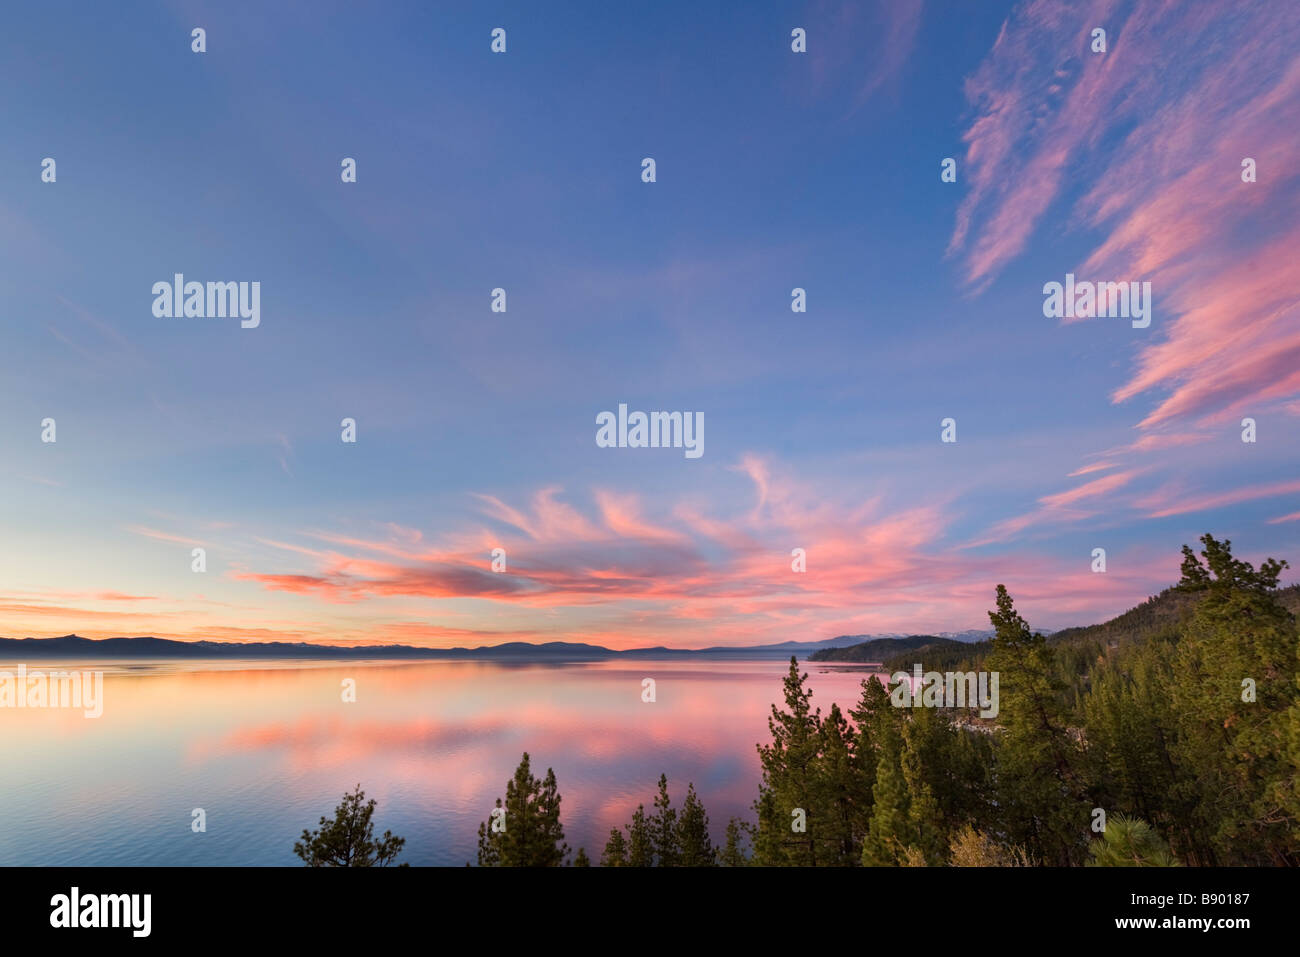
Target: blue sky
522	170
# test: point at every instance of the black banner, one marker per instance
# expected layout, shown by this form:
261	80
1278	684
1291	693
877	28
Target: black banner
935	906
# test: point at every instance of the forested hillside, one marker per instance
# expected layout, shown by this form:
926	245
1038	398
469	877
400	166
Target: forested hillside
1167	736
880	649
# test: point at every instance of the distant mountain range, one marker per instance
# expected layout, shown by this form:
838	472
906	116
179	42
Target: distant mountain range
1157	615
74	646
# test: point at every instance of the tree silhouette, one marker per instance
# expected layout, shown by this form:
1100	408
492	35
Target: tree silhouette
349	839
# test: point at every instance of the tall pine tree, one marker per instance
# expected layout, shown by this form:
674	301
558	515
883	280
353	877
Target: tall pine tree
694	847
529	834
789	779
1040	791
1234	688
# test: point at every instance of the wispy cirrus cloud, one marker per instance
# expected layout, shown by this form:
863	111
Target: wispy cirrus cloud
1100	486
869	43
1058	508
1143	146
1169	501
1148	141
161	536
1089	469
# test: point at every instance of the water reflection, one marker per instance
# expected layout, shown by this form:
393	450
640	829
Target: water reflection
266	748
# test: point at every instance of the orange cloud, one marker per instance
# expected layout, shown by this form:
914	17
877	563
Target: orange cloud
611	572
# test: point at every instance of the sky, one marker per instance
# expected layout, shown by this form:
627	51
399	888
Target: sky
522	170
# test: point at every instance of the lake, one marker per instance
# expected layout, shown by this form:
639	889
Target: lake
267	748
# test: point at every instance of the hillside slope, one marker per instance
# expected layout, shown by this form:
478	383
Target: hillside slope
1160	616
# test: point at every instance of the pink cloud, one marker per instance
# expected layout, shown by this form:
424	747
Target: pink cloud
1058	508
1154	132
1166	502
609	570
869	43
1091	489
1089	469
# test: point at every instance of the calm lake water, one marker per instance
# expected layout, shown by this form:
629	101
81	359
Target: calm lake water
267	748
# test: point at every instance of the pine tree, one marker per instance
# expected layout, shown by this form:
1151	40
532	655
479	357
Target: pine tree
875	718
840	795
663	828
640	844
489	844
789	778
1234	686
1286	791
1040	791
732	853
615	854
1130	842
532	834
694	847
969	794
770	830
888	831
925	822
1132	736
348	839
581	859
